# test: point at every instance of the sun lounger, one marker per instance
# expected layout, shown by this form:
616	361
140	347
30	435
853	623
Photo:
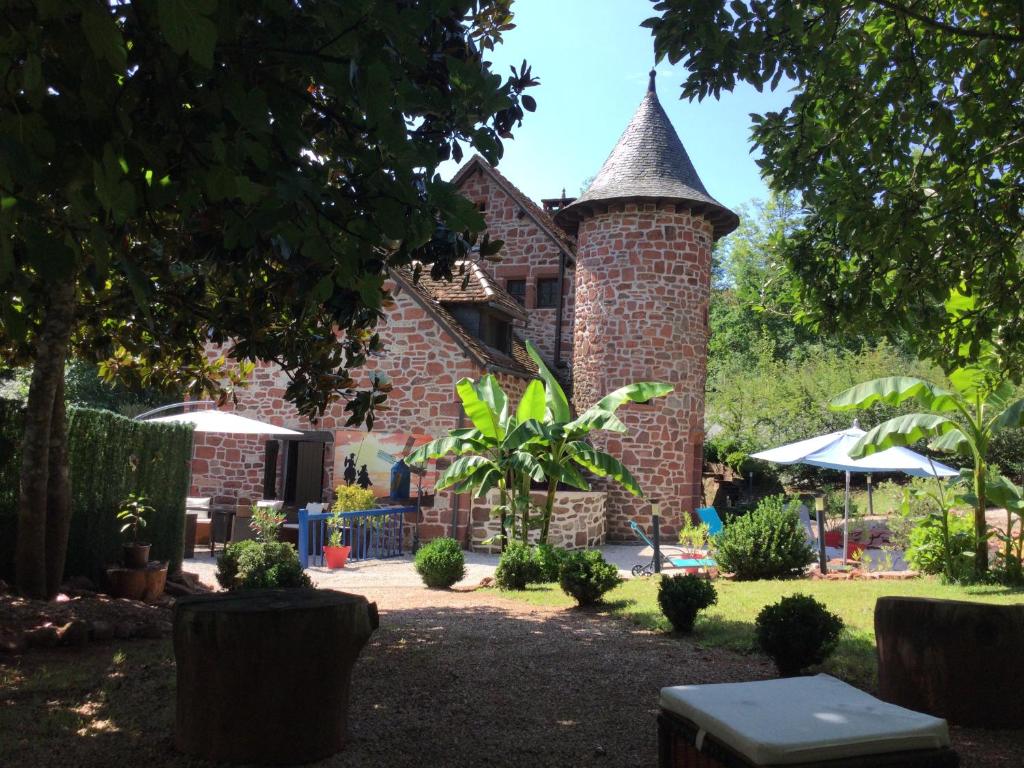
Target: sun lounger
672	557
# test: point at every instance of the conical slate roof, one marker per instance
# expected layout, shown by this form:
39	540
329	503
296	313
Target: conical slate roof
649	164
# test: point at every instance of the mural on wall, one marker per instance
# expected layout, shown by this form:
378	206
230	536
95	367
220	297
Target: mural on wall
366	459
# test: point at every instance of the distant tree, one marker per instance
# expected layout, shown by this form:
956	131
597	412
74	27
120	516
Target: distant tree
183	172
903	140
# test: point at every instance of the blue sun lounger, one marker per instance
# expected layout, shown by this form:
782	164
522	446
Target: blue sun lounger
670	556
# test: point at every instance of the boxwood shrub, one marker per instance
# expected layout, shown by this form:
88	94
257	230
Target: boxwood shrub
682	596
797	632
585	576
440	563
517	567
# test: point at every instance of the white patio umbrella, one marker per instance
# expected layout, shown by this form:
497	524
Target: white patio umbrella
832	451
224	422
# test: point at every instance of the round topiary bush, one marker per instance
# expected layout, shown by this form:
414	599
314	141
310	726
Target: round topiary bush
682	596
797	632
440	563
549	560
254	564
767	543
517	567
585	576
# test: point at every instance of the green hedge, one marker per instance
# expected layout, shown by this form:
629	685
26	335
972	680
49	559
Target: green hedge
102	447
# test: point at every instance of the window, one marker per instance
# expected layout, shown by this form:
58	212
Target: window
547	292
497	333
517	288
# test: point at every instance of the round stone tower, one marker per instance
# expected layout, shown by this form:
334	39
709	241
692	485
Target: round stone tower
645	228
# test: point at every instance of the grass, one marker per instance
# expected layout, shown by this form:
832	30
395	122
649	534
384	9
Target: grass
730	623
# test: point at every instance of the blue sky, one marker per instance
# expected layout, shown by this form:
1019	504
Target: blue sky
592	58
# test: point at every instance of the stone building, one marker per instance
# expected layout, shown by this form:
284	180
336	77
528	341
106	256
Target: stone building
612	287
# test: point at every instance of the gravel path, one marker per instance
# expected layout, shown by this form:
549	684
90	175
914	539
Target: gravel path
470	679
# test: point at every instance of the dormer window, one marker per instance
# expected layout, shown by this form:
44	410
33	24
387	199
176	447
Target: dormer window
496	332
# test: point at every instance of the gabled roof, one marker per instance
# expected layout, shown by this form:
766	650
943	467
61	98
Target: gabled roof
540	217
472	285
517	364
649	164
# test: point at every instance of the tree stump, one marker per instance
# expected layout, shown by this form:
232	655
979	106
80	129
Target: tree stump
952	659
263	675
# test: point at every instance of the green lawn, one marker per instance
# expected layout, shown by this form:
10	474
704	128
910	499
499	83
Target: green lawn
730	623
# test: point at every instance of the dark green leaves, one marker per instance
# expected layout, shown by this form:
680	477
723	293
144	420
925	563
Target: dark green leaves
188	29
899	139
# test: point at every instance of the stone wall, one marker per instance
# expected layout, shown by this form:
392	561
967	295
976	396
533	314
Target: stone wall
529	253
578	521
423	364
642	289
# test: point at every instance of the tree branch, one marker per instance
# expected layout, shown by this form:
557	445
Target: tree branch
979	34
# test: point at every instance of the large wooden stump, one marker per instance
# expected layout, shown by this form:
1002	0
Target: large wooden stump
263	675
953	659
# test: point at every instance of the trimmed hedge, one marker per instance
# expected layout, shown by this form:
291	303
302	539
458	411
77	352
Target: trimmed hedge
101	449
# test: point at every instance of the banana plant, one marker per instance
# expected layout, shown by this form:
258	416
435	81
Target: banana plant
563	447
493	453
960	421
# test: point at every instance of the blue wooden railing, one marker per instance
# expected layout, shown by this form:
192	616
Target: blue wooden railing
372	533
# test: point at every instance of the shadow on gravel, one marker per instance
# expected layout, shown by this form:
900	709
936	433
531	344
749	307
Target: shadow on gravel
462	685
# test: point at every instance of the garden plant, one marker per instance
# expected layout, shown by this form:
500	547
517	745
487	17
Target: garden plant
766	543
797	632
440	563
682	596
586	577
255	564
517	567
961	421
538	442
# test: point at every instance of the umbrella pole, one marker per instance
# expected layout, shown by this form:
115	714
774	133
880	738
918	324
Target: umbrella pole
871	502
846	519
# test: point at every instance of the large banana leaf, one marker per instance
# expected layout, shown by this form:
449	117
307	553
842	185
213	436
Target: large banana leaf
490	392
1002	492
442	446
563	472
460	469
523	463
603	465
903	430
532	403
479	482
530	431
557	402
1011	416
480	410
893	390
601	415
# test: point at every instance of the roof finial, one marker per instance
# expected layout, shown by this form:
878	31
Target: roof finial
650	85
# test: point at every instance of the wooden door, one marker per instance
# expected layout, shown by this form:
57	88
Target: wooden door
309	472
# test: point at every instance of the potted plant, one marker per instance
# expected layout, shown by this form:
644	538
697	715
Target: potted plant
132	515
346	529
335	555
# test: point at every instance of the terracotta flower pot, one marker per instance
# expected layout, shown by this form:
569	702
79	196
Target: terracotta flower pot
127	582
136	555
336	557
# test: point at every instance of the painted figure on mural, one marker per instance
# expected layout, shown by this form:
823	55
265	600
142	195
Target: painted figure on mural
363	481
350	469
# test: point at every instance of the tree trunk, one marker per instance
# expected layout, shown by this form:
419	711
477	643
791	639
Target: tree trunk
34	515
952	659
58	498
264	675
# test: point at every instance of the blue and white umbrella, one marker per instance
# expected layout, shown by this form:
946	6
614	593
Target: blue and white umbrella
832	451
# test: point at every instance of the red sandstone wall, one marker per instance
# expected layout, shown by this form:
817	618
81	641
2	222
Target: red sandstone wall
529	253
642	291
421	360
